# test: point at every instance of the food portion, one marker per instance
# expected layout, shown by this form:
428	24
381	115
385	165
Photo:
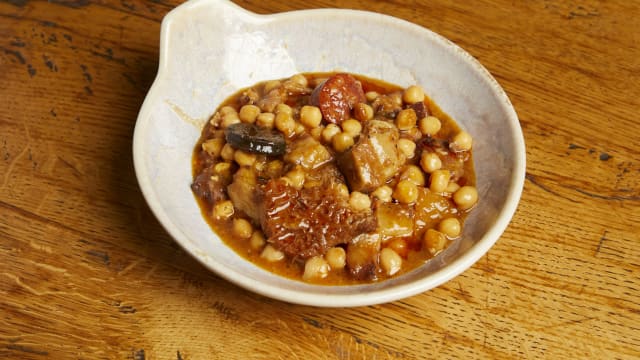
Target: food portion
333	178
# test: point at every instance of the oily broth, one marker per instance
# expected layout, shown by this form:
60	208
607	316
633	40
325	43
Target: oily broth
292	268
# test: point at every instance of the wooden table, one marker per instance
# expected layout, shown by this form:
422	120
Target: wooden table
86	272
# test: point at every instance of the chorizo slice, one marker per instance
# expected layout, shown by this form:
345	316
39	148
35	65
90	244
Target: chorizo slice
337	96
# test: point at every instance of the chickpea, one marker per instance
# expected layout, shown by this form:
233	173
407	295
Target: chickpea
310	116
406	192
213	147
283	108
227	110
271	254
285	123
265	120
359	201
229	119
222	168
461	142
430	162
450	227
248	113
274	168
400	246
414	174
257	240
434	241
390	261
242	228
329	132
336	257
396	97
413	134
296	178
363	112
317	81
270	85
316	132
260	164
218	134
223	210
299	79
452	187
299	128
466	197
342	142
227	152
429	125
371	95
407	147
439	180
216	119
413	94
315	268
406	119
343	190
383	193
244	158
351	127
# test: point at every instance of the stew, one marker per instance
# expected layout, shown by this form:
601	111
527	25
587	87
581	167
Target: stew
334	178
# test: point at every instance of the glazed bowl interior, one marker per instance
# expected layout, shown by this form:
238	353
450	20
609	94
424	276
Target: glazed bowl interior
211	48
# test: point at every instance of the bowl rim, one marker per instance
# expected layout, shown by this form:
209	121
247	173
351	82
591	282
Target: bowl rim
378	296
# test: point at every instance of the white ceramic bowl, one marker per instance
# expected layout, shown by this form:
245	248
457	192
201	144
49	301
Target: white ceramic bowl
211	48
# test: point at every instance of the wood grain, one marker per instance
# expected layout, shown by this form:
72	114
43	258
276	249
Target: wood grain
86	272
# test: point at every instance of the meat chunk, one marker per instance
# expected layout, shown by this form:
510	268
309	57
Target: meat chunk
283	93
388	105
374	159
430	209
452	161
362	256
308	153
249	96
395	219
306	222
328	175
295	88
243	191
271	99
209	187
421	109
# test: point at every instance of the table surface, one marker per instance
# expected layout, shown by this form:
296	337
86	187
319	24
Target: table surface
86	272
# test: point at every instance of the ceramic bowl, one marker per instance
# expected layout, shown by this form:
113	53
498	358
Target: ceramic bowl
211	48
